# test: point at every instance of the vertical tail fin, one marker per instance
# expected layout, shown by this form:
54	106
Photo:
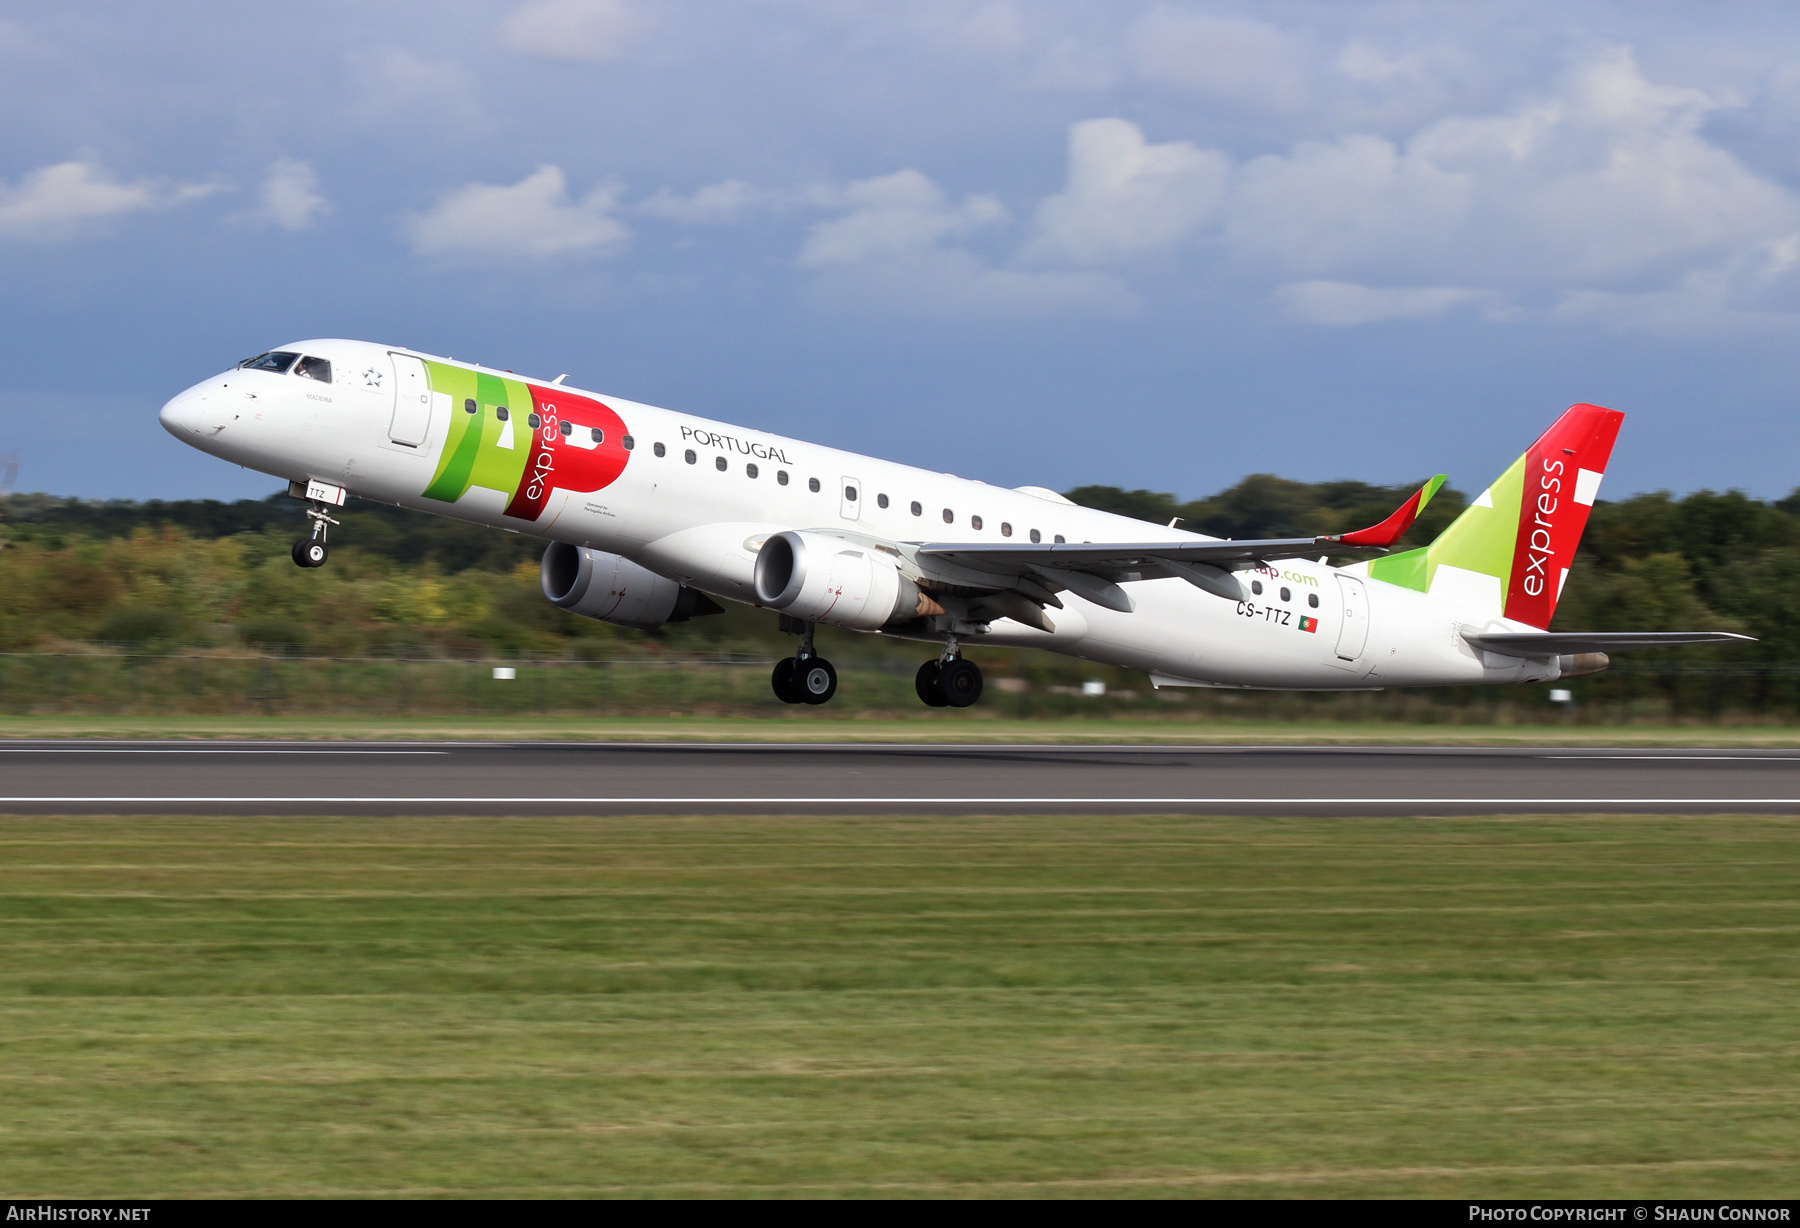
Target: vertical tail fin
1510	551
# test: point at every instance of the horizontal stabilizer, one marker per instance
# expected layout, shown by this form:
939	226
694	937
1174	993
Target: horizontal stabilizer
1555	643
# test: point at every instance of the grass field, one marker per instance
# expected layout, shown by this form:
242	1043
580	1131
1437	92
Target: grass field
1005	1006
820	725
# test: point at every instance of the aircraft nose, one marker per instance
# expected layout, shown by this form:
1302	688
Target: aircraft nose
181	416
195	411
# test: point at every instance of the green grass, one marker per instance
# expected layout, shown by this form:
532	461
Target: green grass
971	1005
822	725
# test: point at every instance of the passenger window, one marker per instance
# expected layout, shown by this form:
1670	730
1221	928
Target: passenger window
657	448
1005	529
314	368
781	477
689	456
277	361
500	413
849	494
812	484
1256	587
719	463
916	509
1286	595
949	516
1312	599
469	406
568	429
975	523
534	421
750	470
628	443
598	435
881	501
1036	537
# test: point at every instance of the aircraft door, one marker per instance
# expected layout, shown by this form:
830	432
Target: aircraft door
1355	632
850	498
412	402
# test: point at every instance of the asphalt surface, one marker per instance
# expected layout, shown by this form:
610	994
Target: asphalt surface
638	778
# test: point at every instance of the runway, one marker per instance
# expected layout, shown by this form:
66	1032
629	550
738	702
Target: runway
380	778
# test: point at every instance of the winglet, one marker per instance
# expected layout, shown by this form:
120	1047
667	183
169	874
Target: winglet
1394	527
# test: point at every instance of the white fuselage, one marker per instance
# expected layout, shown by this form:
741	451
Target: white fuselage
702	522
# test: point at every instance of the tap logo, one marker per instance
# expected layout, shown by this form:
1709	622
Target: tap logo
523	440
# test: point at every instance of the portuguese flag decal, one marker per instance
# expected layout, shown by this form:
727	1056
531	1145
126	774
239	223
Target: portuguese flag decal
1308	624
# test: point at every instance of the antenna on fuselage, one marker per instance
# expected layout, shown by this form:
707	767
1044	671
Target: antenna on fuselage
559	379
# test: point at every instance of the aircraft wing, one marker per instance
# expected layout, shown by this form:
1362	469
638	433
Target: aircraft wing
1552	643
1204	564
1119	556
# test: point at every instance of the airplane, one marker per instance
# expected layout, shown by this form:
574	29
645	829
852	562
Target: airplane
650	514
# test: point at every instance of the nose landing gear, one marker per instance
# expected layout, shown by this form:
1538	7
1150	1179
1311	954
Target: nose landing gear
951	681
804	678
313	551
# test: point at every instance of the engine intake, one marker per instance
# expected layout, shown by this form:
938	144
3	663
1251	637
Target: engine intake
595	584
825	579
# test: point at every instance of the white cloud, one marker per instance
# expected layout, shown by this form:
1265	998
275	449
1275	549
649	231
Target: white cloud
894	217
534	219
1225	59
60	201
1606	187
895	243
1608	179
1126	197
716	204
1345	303
290	196
400	85
592	31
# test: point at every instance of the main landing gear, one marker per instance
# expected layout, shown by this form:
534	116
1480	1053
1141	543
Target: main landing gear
951	681
312	551
804	678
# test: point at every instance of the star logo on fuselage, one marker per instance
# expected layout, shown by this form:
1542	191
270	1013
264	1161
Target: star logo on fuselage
372	378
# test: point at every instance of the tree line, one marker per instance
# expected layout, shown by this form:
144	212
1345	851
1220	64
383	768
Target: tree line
163	575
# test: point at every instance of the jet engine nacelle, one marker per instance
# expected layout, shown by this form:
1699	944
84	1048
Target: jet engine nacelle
595	584
825	579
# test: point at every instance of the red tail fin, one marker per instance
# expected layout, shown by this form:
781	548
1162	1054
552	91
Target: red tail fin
1562	477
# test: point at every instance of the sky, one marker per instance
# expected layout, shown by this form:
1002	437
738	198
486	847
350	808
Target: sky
1154	245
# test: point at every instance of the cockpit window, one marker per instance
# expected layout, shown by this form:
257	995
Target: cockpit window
277	361
314	368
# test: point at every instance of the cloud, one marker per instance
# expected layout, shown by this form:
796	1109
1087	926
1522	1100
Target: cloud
1607	187
894	217
1126	197
895	242
533	219
716	204
1225	59
591	31
398	84
290	196
1608	179
1345	303
58	202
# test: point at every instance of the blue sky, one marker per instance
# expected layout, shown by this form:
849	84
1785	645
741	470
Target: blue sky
1156	245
